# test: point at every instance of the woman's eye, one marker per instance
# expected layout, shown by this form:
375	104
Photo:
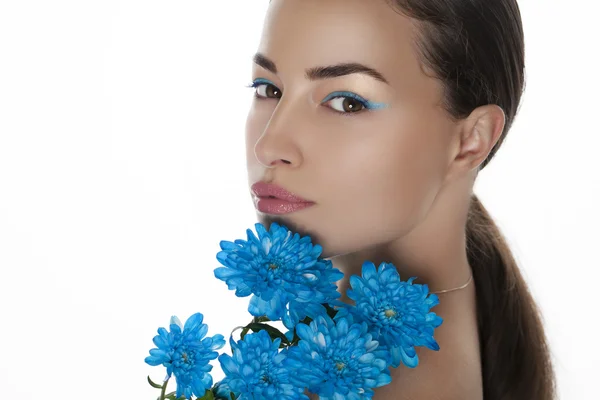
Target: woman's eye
349	104
346	104
268	90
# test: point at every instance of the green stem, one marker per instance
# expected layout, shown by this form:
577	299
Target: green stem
164	389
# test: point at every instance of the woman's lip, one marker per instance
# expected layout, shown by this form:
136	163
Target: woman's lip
278	206
264	190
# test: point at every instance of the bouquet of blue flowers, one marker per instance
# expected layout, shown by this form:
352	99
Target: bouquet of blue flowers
330	348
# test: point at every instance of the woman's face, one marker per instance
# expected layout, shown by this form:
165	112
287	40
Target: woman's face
372	173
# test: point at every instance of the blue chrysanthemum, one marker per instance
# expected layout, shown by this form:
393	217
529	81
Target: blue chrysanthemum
397	312
222	390
338	359
282	271
258	370
186	353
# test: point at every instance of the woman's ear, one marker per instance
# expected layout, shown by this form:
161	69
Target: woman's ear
477	135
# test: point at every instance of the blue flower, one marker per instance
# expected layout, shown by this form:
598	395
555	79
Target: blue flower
186	354
338	359
222	390
258	370
282	271
397	312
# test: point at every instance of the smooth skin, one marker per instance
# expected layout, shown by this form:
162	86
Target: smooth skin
391	184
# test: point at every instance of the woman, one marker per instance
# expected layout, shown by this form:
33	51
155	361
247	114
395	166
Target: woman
432	88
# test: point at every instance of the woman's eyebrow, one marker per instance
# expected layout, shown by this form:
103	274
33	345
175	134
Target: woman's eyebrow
330	71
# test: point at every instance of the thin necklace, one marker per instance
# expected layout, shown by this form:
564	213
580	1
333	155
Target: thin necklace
456	288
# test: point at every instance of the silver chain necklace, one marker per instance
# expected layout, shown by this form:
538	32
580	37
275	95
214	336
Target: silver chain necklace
456	288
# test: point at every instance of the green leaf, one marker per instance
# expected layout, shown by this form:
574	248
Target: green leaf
244	331
232	395
208	395
255	320
154	385
172	396
271	330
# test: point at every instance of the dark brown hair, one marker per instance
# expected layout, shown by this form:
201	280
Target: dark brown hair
476	48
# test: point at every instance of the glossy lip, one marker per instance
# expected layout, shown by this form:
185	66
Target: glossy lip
264	190
277	206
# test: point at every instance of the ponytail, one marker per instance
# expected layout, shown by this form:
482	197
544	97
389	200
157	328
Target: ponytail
514	354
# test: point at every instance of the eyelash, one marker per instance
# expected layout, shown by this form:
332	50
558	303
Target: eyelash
367	105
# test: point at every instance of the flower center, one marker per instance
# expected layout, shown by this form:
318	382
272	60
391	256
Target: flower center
390	313
184	359
340	365
273	266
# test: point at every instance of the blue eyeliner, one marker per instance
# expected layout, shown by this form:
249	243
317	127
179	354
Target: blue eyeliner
366	103
260	81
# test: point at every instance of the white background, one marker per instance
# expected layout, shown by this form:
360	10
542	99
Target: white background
122	166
